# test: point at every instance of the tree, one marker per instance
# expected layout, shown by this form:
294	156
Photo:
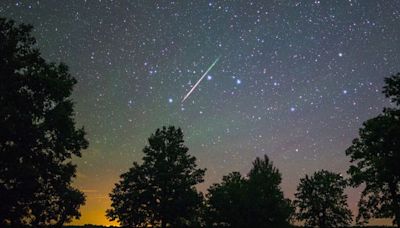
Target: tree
130	200
254	201
375	155
37	134
269	206
392	88
321	202
161	191
226	202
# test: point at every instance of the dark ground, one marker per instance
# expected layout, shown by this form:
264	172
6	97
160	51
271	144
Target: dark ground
94	226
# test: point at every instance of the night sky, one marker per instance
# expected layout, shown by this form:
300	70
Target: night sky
294	80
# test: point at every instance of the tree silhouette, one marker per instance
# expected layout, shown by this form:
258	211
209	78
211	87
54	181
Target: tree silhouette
375	155
226	202
321	202
255	201
392	88
131	199
37	134
269	205
161	191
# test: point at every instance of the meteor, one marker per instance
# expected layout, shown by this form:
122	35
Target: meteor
198	82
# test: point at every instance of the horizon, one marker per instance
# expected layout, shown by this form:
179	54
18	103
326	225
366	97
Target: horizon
292	80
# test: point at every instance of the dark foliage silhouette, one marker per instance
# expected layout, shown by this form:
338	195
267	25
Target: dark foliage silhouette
375	155
226	202
321	202
37	135
255	201
161	191
392	88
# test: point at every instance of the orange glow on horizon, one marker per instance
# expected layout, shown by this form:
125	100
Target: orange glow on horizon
94	211
97	199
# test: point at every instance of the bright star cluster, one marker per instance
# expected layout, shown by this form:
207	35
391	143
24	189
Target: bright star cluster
294	80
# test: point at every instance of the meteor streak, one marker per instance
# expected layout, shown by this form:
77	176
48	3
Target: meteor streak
198	82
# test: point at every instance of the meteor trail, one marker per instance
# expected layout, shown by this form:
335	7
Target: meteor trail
198	82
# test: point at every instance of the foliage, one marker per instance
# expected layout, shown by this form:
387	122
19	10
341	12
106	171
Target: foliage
321	202
375	155
37	134
251	201
130	200
162	190
392	88
226	202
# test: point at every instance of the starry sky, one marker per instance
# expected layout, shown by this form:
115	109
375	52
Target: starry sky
294	80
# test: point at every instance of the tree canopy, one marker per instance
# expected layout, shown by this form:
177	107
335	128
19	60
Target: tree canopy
226	202
376	158
38	136
375	155
392	88
161	191
249	202
321	202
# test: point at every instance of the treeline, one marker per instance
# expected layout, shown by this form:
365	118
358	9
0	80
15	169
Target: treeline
97	226
293	226
38	138
161	190
90	226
